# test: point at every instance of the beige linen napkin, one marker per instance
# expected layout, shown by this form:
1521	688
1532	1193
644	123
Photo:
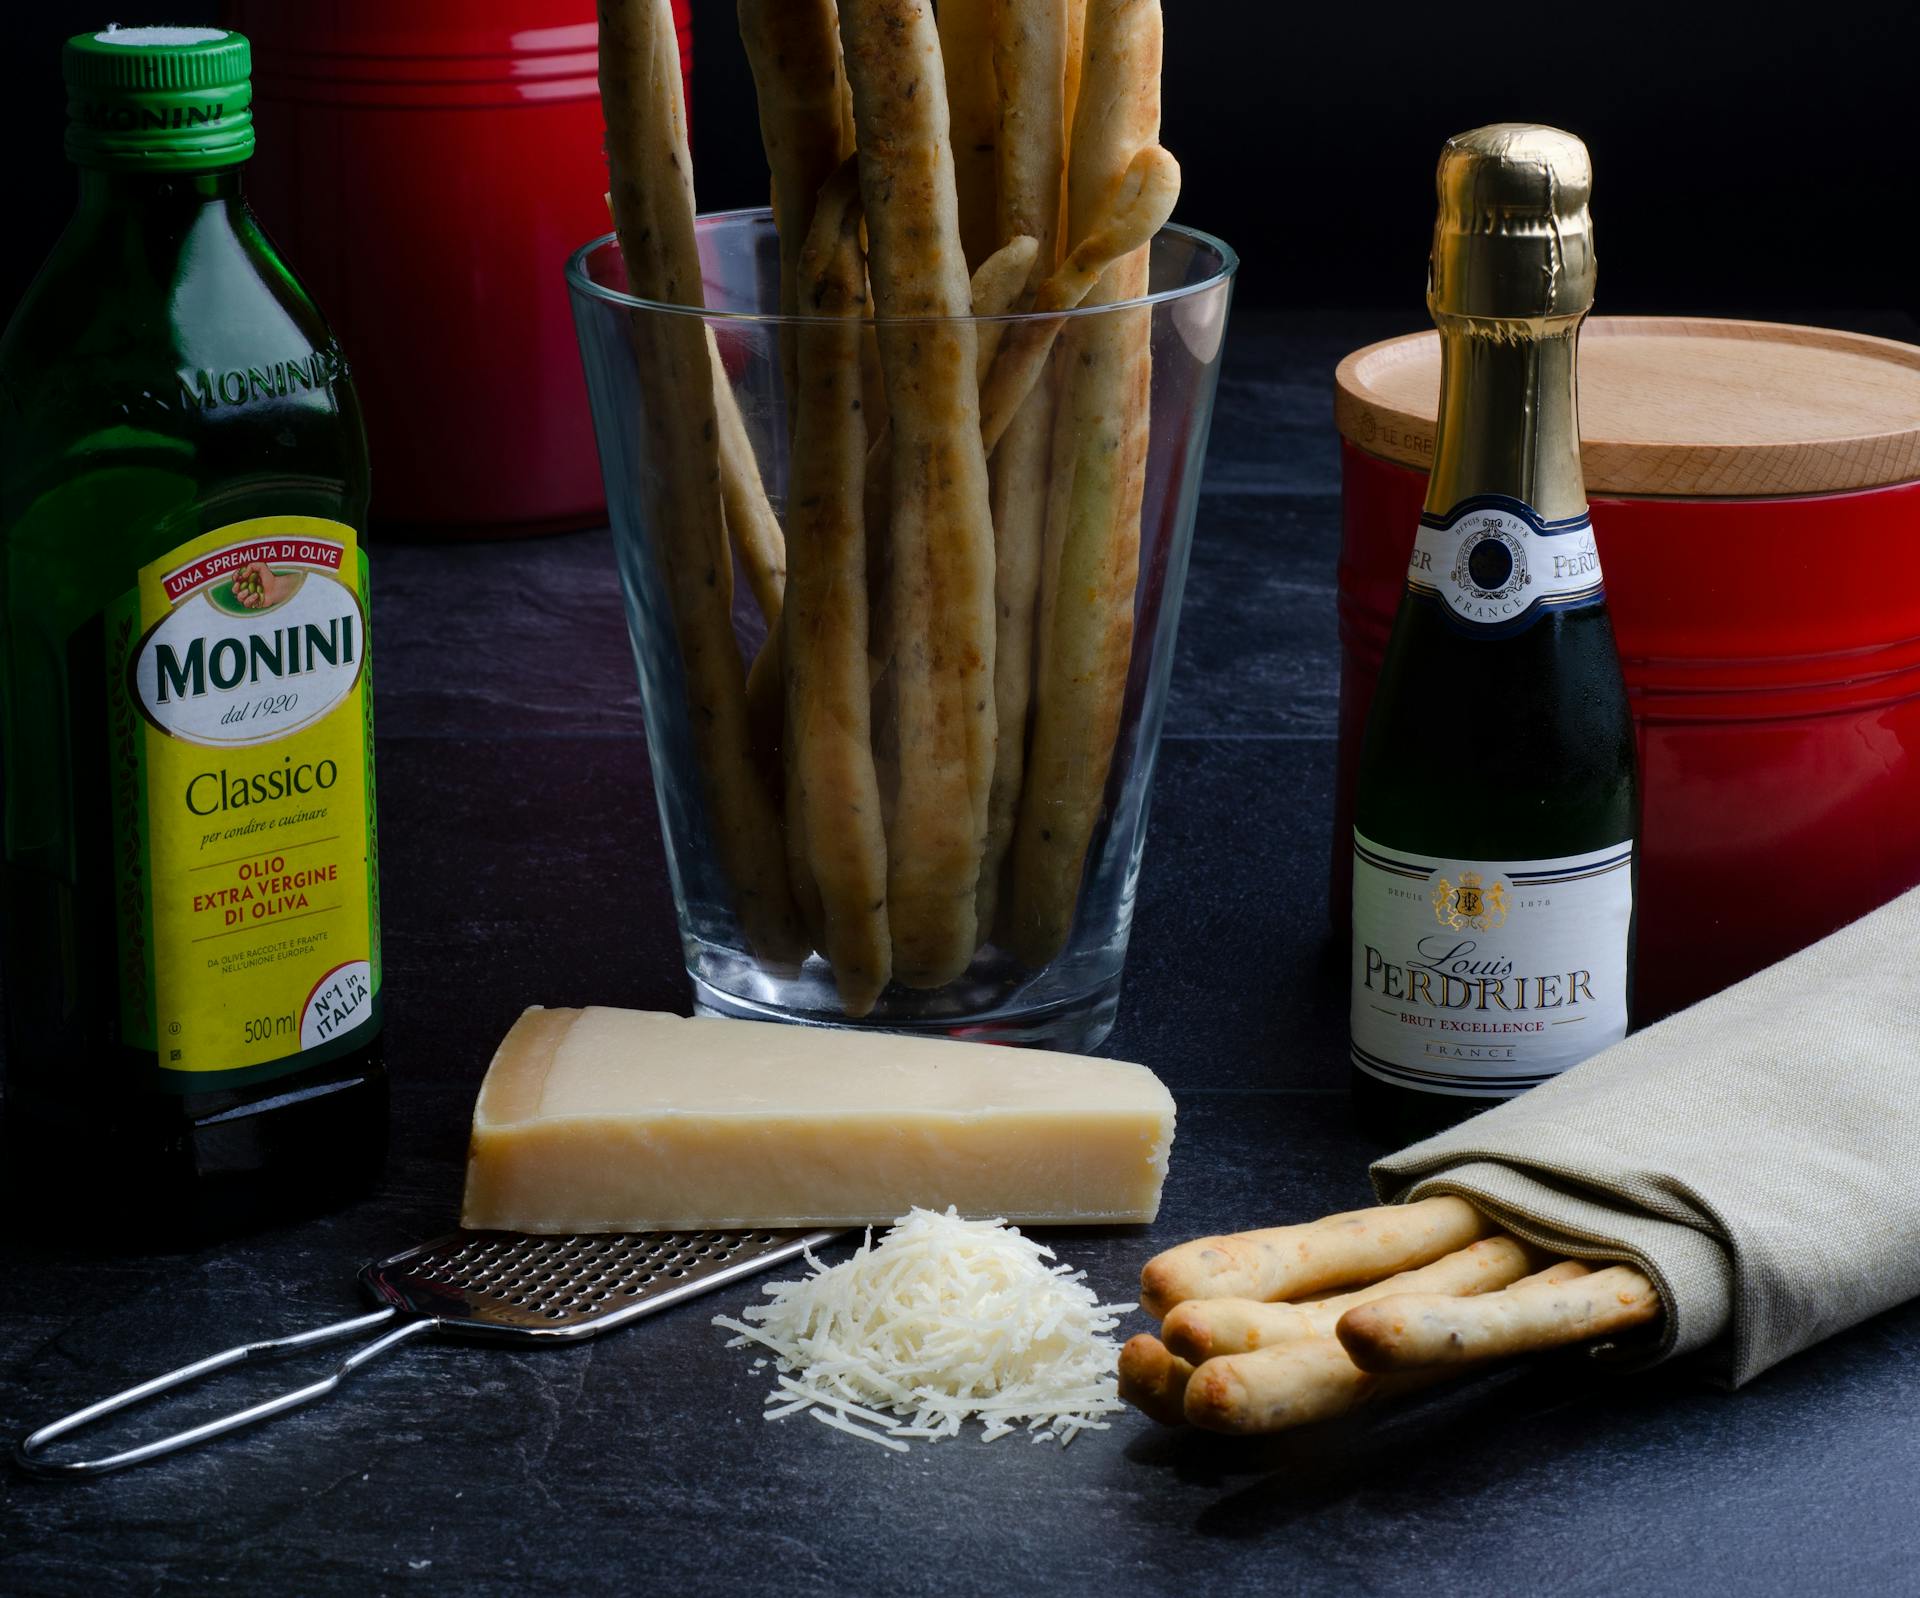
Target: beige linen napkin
1758	1155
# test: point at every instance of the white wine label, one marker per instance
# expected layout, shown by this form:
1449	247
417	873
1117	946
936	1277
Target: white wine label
1498	567
1482	978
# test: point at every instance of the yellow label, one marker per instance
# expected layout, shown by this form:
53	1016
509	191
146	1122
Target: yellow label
243	773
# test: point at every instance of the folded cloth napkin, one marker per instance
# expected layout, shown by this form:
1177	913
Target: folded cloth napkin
1758	1155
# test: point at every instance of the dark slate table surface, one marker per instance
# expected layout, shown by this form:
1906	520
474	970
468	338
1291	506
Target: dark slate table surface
522	864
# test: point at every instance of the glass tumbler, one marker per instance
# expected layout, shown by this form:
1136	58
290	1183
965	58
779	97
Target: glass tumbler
1082	627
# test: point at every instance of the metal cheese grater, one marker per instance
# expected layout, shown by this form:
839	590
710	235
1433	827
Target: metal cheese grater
492	1286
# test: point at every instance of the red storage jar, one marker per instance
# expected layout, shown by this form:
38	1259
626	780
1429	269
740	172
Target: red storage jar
428	165
1756	497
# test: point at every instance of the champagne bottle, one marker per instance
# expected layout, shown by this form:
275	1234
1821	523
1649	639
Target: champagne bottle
1497	801
192	947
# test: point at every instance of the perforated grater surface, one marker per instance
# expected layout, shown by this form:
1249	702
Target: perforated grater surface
493	1286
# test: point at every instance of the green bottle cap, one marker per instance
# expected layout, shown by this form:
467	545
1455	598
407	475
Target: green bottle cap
159	99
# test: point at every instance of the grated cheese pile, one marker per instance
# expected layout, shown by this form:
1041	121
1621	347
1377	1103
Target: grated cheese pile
941	1322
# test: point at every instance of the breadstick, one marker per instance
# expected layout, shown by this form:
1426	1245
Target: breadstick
835	839
806	129
766	707
793	50
973	101
997	285
754	532
652	188
1276	1389
1412	1330
1202	1328
1206	1328
873	385
1558	1271
1076	56
940	528
1303	1380
1028	40
752	526
1091	560
766	727
995	290
1137	209
1029	64
1289	1261
725	574
1154	1380
1076	61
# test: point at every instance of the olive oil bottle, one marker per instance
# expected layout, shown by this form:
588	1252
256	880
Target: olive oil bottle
1496	806
192	952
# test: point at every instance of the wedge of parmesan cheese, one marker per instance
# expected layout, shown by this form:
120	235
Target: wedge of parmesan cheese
603	1120
942	1322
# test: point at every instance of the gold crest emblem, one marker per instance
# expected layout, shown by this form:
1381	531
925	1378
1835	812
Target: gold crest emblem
1472	906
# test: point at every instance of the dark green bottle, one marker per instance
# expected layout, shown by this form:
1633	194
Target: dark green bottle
1496	806
192	952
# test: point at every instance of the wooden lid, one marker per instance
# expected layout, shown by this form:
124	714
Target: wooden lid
1676	407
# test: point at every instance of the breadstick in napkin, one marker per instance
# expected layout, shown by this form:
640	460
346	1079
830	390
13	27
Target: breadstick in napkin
1406	1331
1756	1156
1291	1261
1153	1379
1299	1383
1276	1389
1202	1328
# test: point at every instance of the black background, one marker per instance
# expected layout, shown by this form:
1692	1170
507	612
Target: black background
1746	158
1742	165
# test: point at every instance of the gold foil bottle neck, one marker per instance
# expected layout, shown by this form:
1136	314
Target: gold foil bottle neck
1513	241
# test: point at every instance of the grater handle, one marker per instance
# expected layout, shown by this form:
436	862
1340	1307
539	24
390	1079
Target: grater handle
26	1452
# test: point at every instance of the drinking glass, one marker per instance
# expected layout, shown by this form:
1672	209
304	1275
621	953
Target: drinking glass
1067	1000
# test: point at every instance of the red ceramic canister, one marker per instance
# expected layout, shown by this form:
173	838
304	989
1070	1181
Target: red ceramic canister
1756	498
428	165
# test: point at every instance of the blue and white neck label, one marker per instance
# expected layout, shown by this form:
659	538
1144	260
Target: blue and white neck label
1497	567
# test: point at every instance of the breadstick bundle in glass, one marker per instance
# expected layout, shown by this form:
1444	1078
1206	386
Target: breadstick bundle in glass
903	516
1264	1331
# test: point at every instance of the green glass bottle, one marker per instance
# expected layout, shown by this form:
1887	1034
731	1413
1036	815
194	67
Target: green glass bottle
1496	805
192	952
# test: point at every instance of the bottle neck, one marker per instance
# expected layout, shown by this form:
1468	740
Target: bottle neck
153	196
1509	416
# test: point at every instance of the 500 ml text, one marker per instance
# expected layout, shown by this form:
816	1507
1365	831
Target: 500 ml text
1448	977
262	1029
